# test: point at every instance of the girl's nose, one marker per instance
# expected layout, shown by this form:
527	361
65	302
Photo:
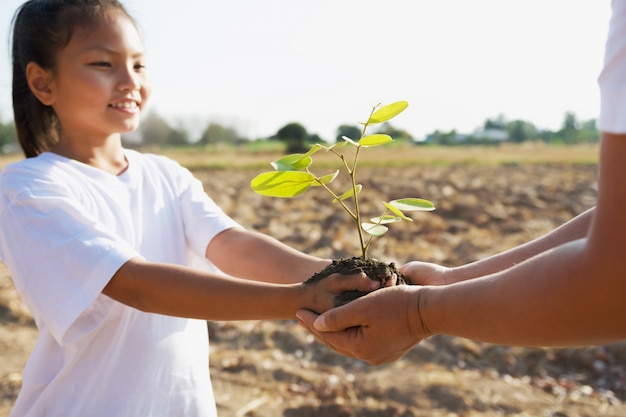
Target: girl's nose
130	79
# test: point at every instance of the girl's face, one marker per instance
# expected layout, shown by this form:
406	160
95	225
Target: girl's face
100	85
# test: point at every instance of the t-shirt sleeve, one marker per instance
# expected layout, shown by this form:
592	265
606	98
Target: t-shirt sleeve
612	79
59	256
202	217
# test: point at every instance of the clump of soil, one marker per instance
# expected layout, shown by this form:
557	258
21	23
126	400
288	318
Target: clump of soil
374	269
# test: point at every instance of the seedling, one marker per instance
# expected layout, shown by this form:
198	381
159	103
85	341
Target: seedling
292	176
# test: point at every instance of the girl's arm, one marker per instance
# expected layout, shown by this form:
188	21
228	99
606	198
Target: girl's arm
186	292
251	255
430	274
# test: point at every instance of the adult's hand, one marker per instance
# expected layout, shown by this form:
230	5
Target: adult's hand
426	273
377	328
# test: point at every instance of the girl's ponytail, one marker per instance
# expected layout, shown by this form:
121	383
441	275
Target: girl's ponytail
36	124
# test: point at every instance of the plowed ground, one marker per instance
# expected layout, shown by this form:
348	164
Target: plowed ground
265	369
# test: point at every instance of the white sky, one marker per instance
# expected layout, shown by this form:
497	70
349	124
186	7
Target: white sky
257	65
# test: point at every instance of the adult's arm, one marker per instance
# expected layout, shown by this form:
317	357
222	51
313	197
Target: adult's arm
425	273
573	294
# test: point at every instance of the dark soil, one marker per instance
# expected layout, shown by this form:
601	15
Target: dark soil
374	269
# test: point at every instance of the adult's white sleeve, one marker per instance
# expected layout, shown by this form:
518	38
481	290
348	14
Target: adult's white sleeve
612	79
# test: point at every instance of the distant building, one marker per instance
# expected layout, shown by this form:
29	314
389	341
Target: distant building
497	135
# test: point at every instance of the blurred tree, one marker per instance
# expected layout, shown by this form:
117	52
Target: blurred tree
351	131
8	137
387	129
314	138
570	122
520	131
216	133
154	130
498	123
177	137
589	132
569	129
295	137
445	139
572	132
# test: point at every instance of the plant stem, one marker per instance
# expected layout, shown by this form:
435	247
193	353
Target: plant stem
356	215
356	205
352	173
367	245
346	208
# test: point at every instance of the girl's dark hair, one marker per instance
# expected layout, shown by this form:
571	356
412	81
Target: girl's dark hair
41	28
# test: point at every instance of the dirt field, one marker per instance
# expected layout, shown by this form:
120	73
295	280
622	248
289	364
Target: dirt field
263	369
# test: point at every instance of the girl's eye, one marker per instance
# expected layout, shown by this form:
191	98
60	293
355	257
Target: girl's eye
103	64
140	67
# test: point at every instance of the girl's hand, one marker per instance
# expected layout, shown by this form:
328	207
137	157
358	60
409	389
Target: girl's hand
425	273
326	293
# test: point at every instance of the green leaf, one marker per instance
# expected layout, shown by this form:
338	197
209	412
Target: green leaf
388	112
397	212
349	193
375	140
337	145
326	179
412	204
348	140
374	229
294	162
284	184
313	149
386	219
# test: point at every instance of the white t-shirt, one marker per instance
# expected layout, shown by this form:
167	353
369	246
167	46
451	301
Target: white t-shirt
612	79
65	229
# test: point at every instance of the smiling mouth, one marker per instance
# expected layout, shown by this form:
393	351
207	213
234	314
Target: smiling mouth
127	105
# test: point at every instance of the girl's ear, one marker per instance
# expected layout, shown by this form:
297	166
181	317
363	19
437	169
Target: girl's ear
39	81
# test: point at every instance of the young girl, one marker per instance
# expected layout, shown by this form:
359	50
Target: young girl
97	236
